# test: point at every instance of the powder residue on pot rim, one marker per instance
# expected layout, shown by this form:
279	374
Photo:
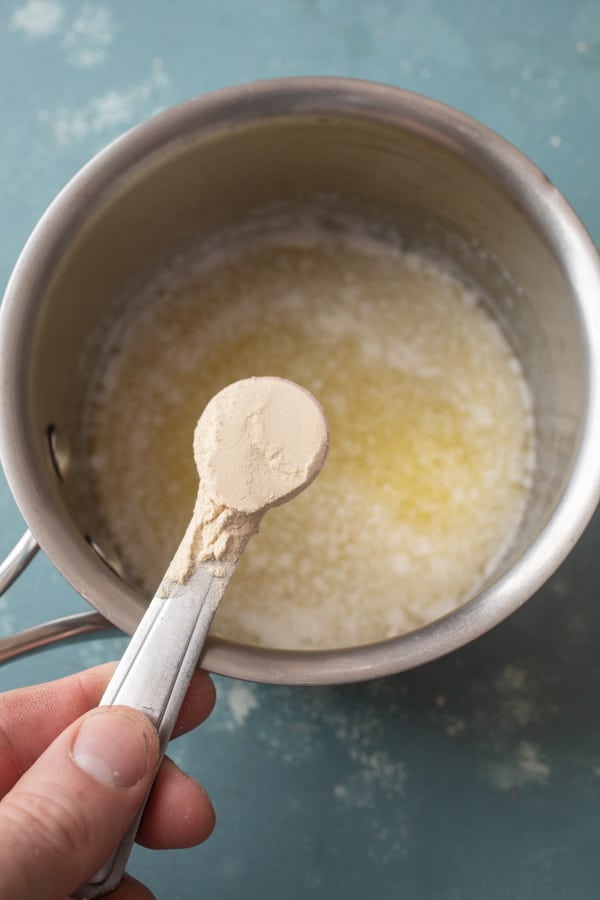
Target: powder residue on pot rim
258	443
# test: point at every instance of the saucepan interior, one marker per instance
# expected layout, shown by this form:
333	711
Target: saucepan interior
439	180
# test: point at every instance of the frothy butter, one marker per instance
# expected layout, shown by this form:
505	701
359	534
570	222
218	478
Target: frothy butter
432	435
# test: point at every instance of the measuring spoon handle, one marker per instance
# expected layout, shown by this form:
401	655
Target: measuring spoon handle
153	676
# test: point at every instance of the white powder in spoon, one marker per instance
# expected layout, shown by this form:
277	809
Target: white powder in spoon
258	443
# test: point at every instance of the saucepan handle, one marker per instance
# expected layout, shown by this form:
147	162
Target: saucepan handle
17	560
48	632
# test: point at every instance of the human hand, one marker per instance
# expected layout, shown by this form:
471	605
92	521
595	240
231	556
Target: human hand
72	778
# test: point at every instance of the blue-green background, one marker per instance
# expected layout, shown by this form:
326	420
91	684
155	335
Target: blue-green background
477	776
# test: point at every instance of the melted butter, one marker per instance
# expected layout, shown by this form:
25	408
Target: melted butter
431	436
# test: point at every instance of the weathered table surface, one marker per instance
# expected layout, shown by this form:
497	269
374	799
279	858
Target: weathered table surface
474	777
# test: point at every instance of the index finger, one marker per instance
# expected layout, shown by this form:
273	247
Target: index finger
32	717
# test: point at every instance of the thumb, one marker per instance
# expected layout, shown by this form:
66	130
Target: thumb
67	813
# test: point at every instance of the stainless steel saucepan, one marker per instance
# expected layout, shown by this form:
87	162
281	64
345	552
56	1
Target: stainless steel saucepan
442	180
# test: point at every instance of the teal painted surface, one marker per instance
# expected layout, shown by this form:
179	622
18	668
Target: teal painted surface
479	775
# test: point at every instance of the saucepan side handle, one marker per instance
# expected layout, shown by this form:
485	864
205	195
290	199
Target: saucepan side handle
17	560
75	625
48	632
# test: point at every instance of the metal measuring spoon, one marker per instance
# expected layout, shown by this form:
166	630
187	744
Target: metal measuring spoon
155	670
